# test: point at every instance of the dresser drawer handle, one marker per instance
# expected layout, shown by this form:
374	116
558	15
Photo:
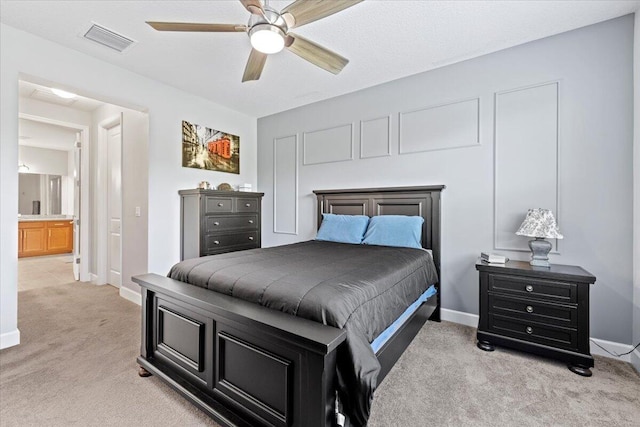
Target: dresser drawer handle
529	288
220	204
216	223
250	221
248	205
529	309
529	330
216	242
250	237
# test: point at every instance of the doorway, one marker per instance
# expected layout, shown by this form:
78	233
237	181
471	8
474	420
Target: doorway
50	210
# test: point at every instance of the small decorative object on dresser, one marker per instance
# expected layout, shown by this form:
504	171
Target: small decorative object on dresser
541	224
225	187
214	222
539	310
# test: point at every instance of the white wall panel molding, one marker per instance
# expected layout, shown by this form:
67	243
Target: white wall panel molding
285	185
526	159
375	137
334	144
440	127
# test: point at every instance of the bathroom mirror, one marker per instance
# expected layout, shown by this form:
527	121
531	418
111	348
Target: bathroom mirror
39	194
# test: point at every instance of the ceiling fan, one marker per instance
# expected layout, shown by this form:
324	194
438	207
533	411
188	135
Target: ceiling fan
269	32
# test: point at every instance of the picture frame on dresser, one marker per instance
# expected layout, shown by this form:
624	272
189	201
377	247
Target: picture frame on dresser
540	310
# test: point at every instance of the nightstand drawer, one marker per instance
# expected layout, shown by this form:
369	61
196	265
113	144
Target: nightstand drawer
218	204
216	241
533	310
223	223
533	332
533	288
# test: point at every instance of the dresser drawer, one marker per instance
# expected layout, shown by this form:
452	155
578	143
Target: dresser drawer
247	205
553	336
225	223
214	251
534	288
216	241
533	310
218	204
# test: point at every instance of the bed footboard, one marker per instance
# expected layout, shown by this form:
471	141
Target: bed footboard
244	365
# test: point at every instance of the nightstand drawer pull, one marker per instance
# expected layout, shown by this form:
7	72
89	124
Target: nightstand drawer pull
250	221
248	205
216	242
250	237
220	204
529	288
216	223
529	309
529	330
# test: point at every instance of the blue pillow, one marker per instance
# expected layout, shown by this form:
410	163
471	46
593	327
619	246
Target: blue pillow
395	230
343	228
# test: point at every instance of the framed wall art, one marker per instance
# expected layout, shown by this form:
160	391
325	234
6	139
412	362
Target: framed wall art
210	149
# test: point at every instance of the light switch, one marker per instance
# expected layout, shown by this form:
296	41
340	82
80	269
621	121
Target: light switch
137	210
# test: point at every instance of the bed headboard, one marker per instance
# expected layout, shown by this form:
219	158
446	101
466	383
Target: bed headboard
421	201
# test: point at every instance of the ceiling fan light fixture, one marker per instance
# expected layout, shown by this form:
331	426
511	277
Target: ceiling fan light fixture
63	93
267	38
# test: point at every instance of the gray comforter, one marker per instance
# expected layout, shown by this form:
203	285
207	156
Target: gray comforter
359	288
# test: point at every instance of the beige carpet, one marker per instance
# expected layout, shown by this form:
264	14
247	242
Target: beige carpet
44	271
76	366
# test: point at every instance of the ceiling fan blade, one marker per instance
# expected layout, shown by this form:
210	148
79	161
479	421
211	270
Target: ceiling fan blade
254	67
197	27
306	11
316	54
253	6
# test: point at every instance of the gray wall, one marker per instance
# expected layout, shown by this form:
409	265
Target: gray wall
561	105
635	357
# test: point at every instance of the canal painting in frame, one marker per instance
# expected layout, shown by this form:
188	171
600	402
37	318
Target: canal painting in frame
209	149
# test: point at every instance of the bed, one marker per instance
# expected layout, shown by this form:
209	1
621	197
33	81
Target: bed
245	364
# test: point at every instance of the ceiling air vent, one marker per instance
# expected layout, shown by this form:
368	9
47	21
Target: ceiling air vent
108	38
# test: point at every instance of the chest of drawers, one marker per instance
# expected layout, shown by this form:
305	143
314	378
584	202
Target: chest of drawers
536	309
214	222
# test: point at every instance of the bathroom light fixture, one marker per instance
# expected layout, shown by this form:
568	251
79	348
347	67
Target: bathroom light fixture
63	93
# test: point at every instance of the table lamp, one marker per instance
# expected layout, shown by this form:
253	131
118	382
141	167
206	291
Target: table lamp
541	224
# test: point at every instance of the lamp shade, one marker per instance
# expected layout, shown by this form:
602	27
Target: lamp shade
539	223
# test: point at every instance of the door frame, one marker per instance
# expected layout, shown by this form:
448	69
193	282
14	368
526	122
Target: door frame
85	218
102	205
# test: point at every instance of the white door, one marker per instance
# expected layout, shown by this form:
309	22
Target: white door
114	205
76	207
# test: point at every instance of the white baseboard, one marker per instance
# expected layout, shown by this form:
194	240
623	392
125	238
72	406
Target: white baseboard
130	295
93	278
614	347
460	317
635	359
9	339
469	319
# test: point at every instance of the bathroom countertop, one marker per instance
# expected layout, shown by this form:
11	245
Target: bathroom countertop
25	218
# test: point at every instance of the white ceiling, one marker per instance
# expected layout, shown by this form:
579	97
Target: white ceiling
28	90
384	40
43	135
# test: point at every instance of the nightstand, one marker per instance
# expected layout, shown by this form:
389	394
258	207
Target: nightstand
536	309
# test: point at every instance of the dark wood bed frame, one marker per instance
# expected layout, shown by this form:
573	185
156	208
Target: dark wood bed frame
247	365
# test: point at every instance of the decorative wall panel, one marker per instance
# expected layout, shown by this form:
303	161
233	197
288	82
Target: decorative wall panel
375	137
440	127
526	159
328	145
285	185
